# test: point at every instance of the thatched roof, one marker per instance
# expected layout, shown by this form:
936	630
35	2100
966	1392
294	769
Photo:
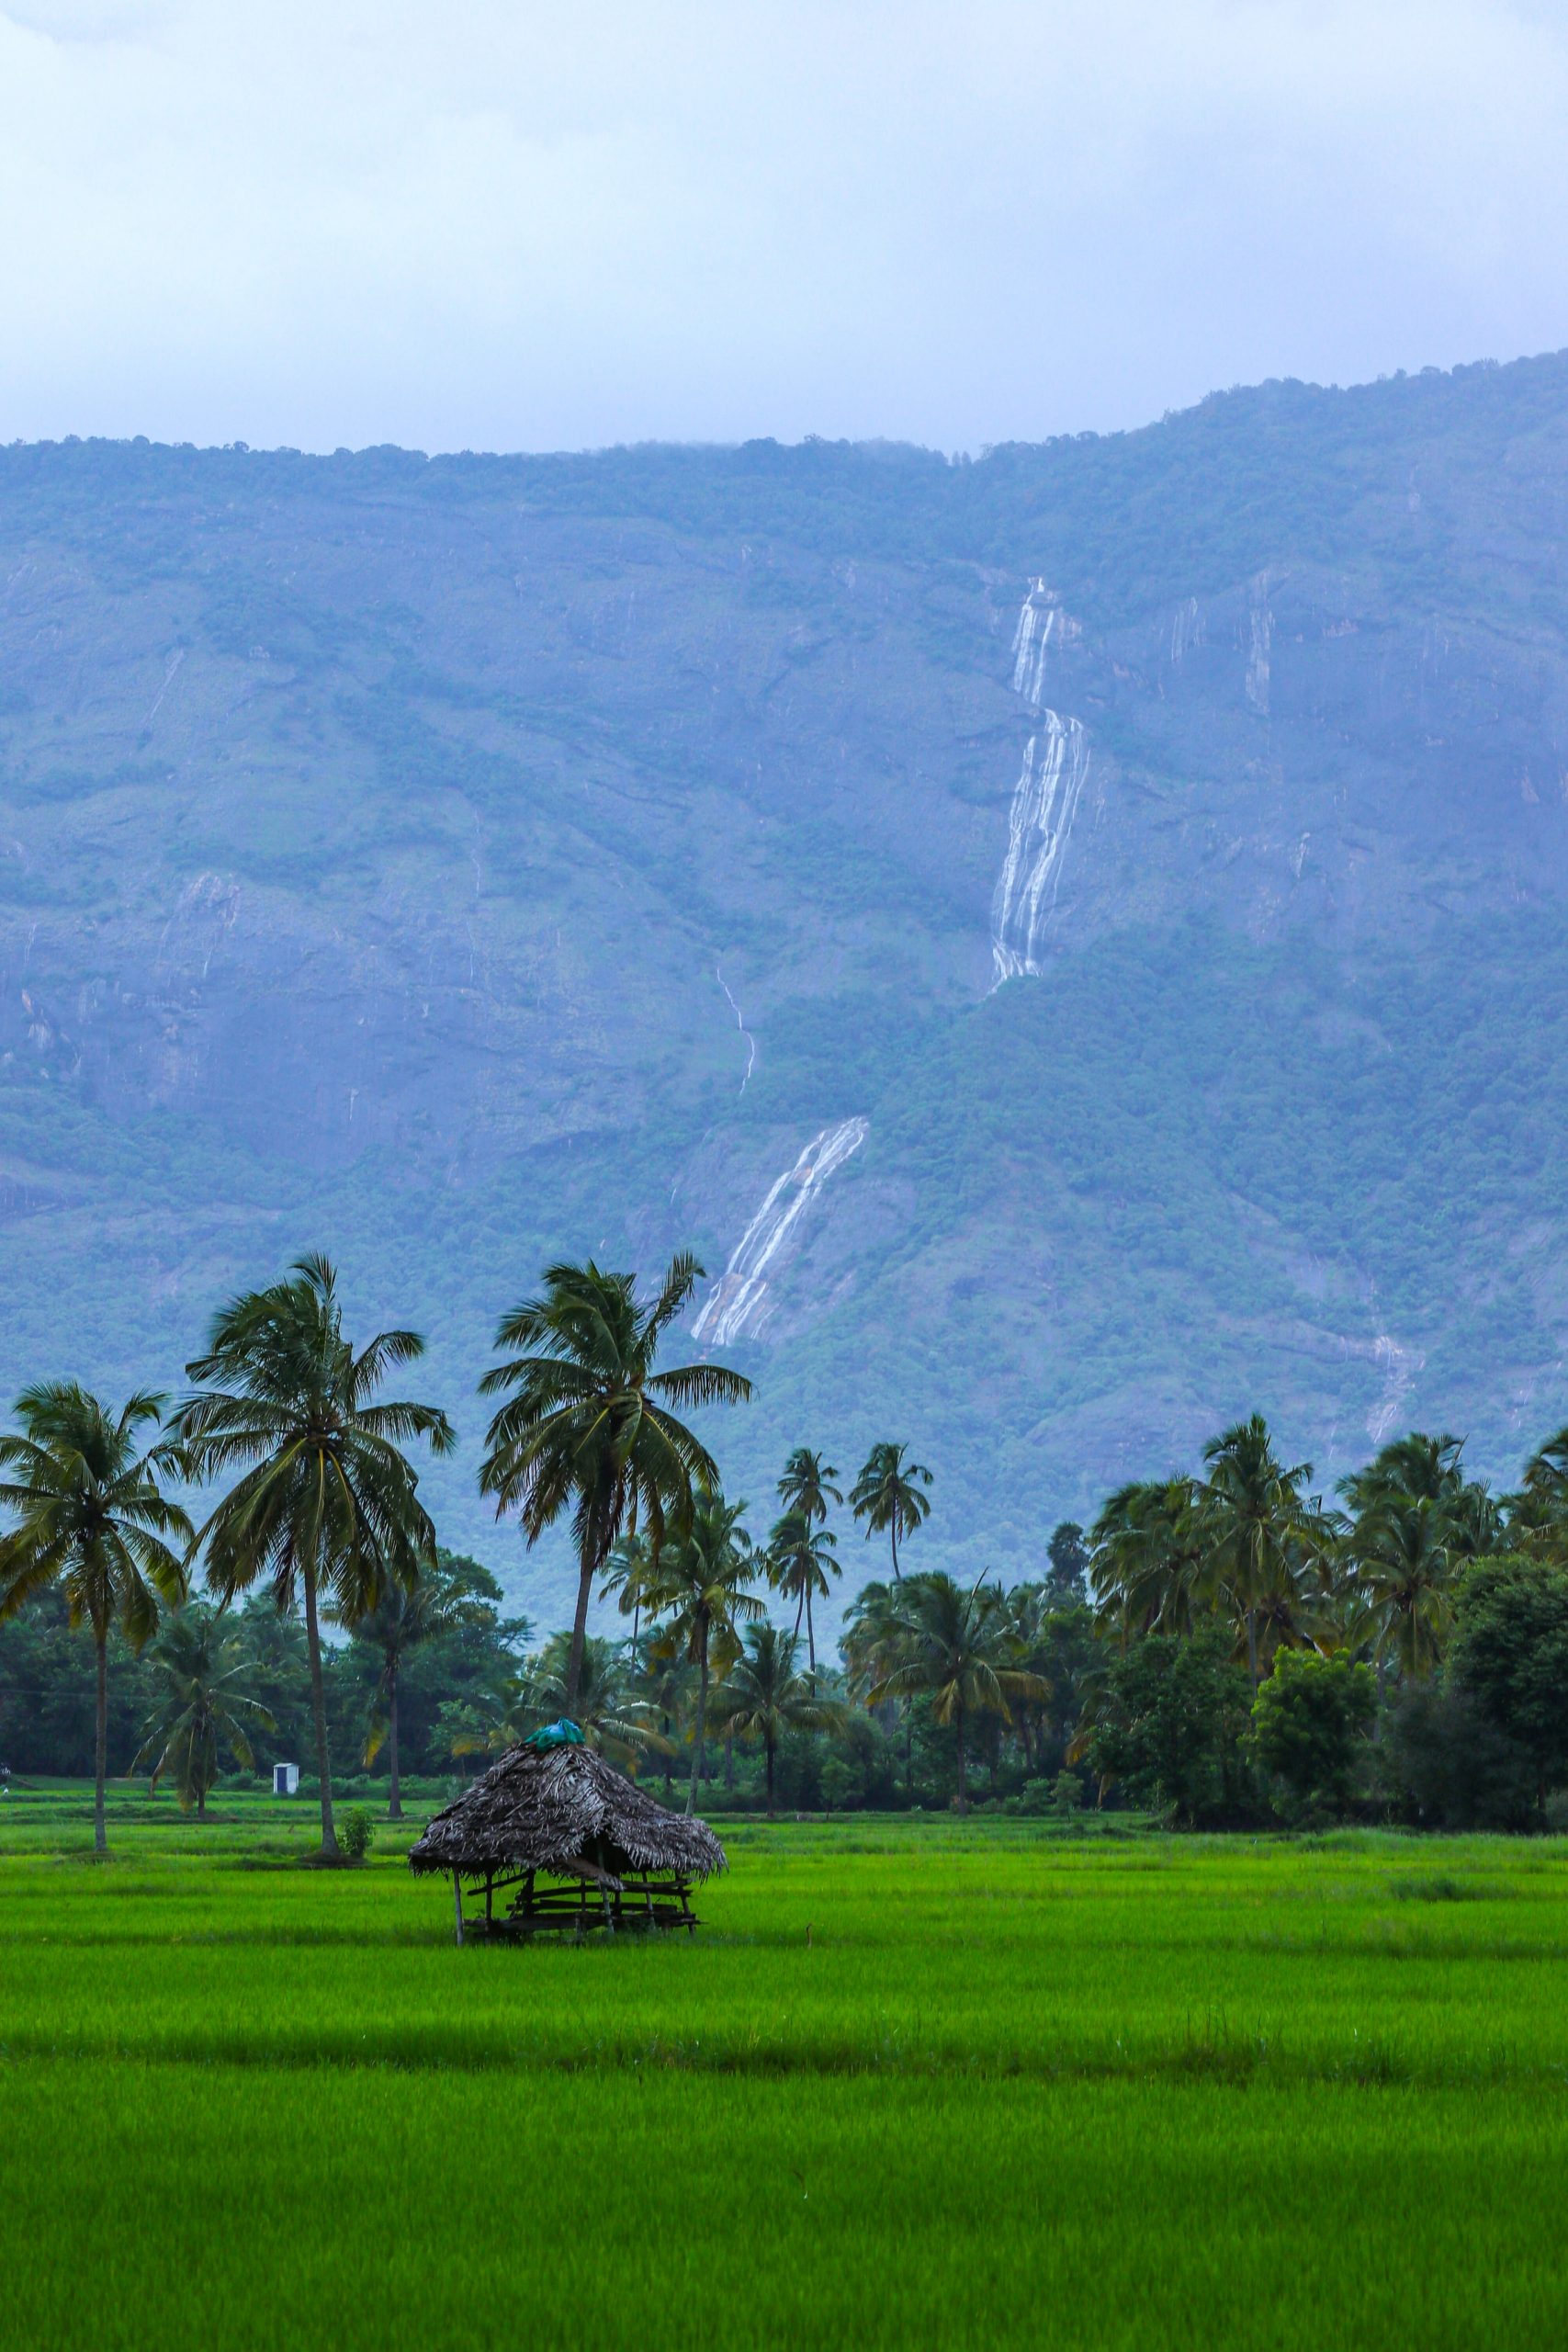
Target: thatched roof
559	1808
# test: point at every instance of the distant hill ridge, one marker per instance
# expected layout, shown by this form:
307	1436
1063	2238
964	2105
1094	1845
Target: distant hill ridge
1151	850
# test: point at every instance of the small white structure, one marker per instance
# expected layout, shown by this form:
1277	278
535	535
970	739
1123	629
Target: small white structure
286	1780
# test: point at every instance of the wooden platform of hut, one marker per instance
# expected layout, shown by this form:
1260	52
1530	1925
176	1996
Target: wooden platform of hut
575	1846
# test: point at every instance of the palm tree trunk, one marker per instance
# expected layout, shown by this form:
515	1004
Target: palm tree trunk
395	1796
800	1611
768	1744
963	1775
892	1531
101	1740
319	1710
701	1740
594	1558
810	1636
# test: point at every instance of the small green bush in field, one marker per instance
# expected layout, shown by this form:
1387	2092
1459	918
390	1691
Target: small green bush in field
356	1834
1311	1722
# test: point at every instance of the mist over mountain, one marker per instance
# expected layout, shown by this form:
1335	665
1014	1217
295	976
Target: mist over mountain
1078	941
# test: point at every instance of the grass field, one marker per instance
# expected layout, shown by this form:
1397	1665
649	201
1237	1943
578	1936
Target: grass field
1012	2088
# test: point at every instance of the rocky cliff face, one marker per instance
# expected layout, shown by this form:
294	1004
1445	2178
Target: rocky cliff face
1073	939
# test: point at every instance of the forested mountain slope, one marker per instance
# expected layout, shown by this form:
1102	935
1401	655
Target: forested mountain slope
1081	936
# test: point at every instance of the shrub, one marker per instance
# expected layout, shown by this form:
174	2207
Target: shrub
356	1834
1310	1722
1169	1729
1510	1660
1447	1767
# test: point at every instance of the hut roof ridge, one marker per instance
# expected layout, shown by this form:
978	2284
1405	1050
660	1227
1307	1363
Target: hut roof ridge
542	1808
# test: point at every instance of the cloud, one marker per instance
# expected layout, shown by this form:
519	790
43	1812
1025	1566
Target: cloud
512	225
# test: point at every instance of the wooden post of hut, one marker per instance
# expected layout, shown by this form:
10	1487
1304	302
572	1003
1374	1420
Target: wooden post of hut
552	1819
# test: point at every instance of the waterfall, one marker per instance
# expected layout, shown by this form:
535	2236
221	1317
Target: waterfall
1044	802
1260	646
737	1306
1187	630
1399	1366
1040	622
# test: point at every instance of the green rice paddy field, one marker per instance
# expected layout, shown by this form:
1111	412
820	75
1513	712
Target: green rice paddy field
1010	2088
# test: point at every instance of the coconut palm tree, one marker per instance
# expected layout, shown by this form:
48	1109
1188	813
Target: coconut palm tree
206	1711
807	1486
611	1715
1537	1514
887	1495
626	1572
763	1696
800	1562
699	1591
92	1516
1257	1520
667	1685
1149	1559
1404	1468
869	1645
1417	1518
1474	1522
1030	1616
401	1619
955	1647
1405	1572
326	1501
589	1423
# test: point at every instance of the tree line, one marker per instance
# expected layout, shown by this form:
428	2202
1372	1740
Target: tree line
1397	1652
319	1511
1224	1647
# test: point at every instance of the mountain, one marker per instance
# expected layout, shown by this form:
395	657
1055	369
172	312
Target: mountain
1077	940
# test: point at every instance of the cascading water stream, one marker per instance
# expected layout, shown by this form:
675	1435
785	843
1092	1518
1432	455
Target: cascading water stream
1045	799
737	1306
1039	621
1044	802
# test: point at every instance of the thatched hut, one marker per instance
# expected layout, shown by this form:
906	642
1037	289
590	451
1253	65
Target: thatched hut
551	1810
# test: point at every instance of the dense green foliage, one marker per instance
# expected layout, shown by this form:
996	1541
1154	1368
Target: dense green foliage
1169	1727
1310	1722
588	1427
1510	1660
1251	1655
46	1689
88	1514
323	1500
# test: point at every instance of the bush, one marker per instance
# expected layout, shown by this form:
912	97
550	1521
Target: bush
1447	1767
1061	1796
356	1834
1510	1659
1310	1722
1169	1729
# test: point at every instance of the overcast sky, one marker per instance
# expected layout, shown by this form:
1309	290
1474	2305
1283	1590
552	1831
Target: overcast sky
491	225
